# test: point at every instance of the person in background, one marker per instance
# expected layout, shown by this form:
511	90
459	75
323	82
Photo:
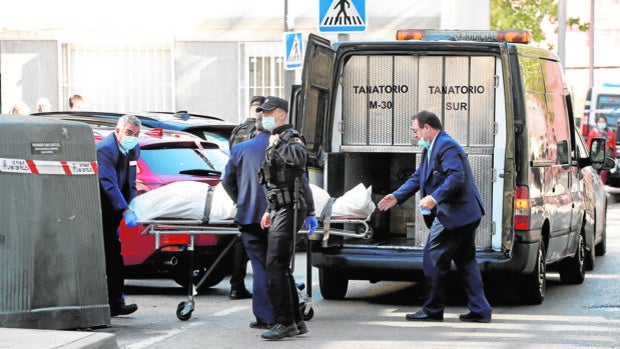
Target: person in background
20	108
76	102
43	105
602	131
290	200
116	157
246	129
243	132
241	184
452	209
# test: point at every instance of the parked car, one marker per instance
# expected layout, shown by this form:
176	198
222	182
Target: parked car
209	128
168	156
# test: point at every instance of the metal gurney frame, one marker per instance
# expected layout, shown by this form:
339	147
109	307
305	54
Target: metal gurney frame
362	230
193	227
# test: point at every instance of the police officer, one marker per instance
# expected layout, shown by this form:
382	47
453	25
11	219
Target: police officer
242	132
246	129
290	201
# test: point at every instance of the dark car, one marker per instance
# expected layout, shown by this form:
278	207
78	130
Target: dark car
209	128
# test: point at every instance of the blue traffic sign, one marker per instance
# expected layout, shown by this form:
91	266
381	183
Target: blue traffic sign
294	51
342	16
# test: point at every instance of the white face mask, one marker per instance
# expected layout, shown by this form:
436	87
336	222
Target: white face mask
269	123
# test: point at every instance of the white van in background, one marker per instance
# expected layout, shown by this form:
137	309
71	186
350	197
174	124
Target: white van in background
601	100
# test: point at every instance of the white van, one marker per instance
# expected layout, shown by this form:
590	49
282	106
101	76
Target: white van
508	106
601	100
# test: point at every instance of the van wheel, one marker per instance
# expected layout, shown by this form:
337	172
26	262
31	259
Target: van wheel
533	285
572	270
332	284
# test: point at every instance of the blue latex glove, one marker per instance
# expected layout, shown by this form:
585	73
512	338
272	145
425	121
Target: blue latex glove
130	219
311	223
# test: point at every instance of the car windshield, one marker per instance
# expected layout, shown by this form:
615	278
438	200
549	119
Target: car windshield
174	161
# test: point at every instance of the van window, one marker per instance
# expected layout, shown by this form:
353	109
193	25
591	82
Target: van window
547	116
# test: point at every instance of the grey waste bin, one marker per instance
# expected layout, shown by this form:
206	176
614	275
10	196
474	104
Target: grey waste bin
52	264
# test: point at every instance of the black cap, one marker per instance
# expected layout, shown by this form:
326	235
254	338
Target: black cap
257	100
273	102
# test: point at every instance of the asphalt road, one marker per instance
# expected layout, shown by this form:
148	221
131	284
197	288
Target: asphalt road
373	315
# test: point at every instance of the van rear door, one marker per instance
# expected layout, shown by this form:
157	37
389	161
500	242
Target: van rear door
315	93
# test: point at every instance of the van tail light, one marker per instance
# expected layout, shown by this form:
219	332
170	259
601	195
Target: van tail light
522	208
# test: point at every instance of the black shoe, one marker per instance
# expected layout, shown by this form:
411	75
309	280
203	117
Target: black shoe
240	294
420	315
474	317
122	309
301	327
279	331
261	325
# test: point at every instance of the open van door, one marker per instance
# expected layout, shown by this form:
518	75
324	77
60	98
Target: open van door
313	108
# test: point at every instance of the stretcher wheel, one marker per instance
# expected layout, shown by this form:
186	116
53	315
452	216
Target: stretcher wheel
306	314
184	310
360	229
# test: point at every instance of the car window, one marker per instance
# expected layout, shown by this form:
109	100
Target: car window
219	138
217	157
173	161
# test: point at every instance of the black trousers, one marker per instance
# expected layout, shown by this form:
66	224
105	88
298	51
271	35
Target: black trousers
280	281
239	265
114	264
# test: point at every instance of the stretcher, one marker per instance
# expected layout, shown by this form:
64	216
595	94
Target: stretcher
193	227
328	225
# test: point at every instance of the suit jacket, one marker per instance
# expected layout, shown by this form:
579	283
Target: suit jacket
117	175
448	178
240	179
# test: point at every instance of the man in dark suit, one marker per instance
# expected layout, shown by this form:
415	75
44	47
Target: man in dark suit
116	157
452	209
241	183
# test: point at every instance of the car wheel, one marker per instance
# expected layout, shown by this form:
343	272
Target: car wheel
533	285
332	284
216	276
572	270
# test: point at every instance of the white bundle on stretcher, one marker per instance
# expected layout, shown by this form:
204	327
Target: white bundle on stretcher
187	200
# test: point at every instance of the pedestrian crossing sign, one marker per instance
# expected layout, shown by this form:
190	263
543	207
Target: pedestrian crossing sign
294	51
342	16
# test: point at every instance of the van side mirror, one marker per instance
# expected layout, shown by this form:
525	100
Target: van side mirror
598	155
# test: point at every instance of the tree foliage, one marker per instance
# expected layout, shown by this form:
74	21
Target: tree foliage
529	15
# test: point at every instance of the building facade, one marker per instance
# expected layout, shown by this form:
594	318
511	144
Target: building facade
192	55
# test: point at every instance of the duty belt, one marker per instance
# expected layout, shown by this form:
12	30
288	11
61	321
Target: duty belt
279	197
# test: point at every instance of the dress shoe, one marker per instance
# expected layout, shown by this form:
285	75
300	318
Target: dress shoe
261	325
122	309
240	294
420	315
301	327
279	331
474	317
